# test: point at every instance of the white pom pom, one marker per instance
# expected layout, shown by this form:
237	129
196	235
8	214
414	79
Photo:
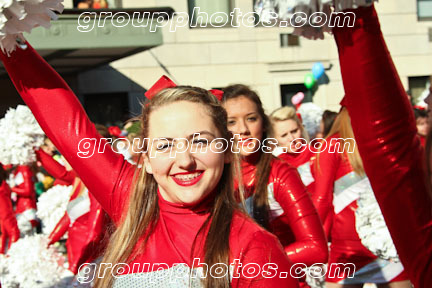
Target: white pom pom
285	9
20	134
18	16
372	228
51	206
30	263
311	115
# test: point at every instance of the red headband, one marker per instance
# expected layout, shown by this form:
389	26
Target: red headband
164	82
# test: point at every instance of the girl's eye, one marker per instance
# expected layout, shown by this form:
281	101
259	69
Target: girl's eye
162	147
284	135
231	122
294	131
200	141
252	119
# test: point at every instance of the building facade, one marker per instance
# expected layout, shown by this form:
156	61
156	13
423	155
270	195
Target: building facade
270	59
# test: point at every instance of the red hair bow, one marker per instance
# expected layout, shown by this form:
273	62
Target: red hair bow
114	131
164	82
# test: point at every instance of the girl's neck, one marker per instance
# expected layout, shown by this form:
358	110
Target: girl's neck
252	159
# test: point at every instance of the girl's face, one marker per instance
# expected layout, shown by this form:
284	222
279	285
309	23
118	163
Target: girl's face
422	126
186	169
287	133
244	120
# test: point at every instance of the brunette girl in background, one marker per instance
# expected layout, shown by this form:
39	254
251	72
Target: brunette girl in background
275	195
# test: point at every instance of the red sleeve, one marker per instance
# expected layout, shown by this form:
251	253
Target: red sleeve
54	168
265	252
385	131
60	229
325	168
310	244
65	122
25	189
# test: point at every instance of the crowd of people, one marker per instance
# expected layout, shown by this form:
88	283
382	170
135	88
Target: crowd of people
297	203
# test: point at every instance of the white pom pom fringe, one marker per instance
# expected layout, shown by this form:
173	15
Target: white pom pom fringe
285	9
51	206
29	263
311	115
18	16
20	134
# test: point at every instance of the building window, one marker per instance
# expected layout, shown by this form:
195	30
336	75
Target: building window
209	13
107	108
289	90
424	9
418	87
289	40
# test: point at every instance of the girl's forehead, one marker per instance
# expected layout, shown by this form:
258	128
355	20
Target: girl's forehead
180	119
240	105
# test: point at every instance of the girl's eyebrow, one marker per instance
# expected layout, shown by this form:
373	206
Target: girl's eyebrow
191	136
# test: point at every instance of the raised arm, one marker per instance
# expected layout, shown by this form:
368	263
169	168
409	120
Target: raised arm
310	244
54	168
65	122
385	132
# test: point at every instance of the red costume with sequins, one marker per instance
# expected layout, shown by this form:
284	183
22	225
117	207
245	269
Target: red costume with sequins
8	223
304	162
109	178
26	195
386	135
84	219
293	218
337	189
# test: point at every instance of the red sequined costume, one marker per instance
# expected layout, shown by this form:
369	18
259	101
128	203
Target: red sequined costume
109	178
338	188
304	162
293	218
23	187
9	228
386	135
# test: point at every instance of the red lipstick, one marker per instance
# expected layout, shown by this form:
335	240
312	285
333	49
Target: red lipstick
185	181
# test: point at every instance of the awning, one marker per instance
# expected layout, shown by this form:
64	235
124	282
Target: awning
70	51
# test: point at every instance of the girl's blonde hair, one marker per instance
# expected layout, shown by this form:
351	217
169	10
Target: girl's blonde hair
288	113
342	126
142	214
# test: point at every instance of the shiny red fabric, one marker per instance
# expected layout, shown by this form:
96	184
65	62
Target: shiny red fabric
9	228
385	131
55	169
109	177
26	194
298	159
298	226
346	246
